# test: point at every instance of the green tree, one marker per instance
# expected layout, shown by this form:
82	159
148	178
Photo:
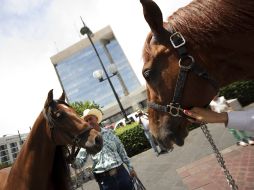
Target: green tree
4	165
81	106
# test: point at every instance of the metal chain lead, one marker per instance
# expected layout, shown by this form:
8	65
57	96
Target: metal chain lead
219	157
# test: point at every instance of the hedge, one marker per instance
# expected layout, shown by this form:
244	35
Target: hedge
242	90
133	139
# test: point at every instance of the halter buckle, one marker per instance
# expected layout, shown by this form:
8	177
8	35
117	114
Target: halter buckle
189	59
177	40
174	109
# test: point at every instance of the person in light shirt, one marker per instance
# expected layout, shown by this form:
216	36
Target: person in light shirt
108	165
143	120
219	105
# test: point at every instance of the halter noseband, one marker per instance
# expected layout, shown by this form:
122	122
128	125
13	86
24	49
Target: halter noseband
186	63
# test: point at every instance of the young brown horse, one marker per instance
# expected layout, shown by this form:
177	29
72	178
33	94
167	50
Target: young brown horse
205	45
41	163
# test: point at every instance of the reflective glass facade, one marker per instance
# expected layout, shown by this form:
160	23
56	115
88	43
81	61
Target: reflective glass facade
76	74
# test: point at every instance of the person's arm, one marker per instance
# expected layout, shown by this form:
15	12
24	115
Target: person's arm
202	115
80	159
122	153
241	120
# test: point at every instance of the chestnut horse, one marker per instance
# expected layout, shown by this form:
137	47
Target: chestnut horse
41	163
201	47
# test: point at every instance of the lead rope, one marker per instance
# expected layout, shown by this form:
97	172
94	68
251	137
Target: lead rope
230	180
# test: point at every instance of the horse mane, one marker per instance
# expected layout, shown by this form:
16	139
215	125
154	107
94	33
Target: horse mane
219	34
202	20
61	171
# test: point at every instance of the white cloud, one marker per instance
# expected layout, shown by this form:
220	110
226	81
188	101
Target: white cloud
20	7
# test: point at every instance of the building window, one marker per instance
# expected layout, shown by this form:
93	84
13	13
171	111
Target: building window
15	149
14	144
3	147
14	155
4	153
5	159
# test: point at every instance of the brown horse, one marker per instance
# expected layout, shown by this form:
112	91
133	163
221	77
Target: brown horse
41	163
203	46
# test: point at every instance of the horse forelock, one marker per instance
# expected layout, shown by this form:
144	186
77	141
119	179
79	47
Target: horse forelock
202	20
152	48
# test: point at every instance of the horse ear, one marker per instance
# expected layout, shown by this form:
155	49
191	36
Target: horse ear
62	97
153	16
49	99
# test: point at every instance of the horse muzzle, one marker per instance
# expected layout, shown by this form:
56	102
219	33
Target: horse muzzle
93	144
172	133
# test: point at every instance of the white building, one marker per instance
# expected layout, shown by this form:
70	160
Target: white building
10	146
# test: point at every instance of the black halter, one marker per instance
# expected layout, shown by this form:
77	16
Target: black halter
186	63
76	139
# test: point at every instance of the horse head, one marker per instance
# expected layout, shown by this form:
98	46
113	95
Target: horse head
174	81
67	128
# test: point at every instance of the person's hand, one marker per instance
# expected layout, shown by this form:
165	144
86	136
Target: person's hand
202	115
133	173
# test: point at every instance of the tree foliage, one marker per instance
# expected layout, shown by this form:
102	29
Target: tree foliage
81	106
4	165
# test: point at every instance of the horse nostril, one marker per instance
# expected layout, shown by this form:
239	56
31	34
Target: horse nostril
98	140
171	134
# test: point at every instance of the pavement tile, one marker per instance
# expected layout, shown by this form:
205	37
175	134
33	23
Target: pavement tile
238	162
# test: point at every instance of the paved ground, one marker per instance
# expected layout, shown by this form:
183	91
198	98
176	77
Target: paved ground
194	166
206	174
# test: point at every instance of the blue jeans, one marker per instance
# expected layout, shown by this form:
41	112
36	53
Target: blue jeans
120	181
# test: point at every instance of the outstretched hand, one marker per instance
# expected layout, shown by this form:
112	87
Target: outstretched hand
133	173
202	115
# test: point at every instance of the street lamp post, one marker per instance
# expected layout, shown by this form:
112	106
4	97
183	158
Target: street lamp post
98	74
85	30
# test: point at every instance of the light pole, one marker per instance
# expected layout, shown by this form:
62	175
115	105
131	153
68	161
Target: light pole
85	30
98	74
104	43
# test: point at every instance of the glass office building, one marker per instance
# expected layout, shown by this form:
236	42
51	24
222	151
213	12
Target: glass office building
76	64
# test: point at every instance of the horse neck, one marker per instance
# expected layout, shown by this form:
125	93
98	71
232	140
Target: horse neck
33	166
217	39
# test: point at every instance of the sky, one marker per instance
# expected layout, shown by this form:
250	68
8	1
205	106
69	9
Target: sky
32	31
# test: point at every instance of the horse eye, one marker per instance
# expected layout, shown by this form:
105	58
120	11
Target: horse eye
58	115
147	73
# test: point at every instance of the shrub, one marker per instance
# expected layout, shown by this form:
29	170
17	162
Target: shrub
5	165
242	90
133	139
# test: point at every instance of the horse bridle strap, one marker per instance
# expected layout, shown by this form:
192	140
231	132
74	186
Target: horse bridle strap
172	109
186	63
76	139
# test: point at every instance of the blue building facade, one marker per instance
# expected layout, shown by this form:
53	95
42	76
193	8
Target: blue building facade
76	64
